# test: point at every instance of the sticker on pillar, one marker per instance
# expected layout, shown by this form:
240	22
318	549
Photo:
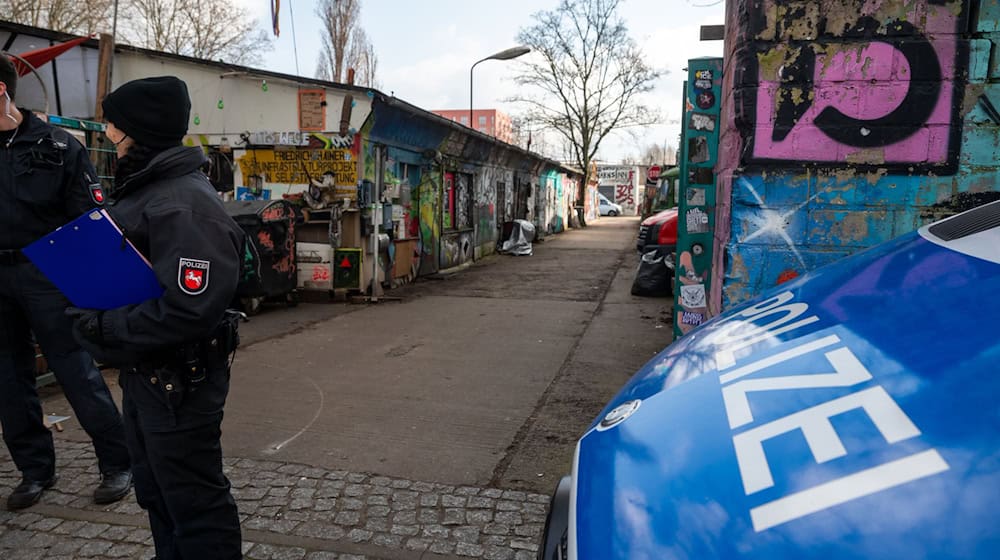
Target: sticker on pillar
693	295
698	150
696	220
700	122
697	249
701	176
705	100
692	318
696	196
692	291
686	269
703	79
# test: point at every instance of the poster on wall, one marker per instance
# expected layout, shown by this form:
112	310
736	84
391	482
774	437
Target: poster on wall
246	193
312	109
332	170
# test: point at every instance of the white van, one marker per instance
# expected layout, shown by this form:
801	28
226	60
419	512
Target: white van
608	208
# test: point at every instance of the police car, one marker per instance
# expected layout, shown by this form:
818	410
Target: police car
851	413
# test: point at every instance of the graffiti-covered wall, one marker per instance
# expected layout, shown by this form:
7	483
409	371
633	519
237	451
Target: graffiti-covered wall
492	197
620	184
556	209
848	123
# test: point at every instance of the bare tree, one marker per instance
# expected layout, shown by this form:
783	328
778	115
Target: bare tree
208	29
79	17
589	80
339	18
655	154
345	44
361	56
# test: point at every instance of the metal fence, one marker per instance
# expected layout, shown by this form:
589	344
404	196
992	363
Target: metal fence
91	135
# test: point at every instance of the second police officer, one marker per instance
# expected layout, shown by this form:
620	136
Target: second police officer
173	351
46	180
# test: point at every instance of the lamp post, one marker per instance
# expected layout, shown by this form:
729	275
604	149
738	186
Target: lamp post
507	54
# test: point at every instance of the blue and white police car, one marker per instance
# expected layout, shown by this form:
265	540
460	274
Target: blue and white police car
852	413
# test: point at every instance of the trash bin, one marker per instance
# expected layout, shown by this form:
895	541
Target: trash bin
269	266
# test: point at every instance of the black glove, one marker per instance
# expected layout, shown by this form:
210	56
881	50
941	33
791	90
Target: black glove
87	322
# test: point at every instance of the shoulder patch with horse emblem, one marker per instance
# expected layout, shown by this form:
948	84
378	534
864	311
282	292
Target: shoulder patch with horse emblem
192	276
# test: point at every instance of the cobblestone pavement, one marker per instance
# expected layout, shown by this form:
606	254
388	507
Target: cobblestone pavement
289	512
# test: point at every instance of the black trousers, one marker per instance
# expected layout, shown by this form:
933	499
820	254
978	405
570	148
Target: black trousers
177	464
29	303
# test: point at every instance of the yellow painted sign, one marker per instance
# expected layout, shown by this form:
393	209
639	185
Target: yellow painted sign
323	168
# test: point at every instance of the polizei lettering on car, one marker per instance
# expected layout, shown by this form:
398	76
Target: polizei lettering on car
849	414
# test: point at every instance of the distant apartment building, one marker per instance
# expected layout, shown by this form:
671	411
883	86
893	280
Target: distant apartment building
487	121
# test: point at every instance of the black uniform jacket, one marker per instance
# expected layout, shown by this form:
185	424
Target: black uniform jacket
174	217
46	180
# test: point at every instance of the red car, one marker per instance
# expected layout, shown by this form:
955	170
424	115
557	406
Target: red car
659	232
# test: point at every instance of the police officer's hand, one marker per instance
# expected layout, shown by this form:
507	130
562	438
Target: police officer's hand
87	322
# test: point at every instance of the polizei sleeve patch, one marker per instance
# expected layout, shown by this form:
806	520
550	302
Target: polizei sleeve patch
192	276
96	193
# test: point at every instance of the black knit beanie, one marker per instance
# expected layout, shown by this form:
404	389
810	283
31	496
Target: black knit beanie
152	111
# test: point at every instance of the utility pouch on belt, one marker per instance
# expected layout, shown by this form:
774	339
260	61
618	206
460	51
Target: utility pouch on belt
213	353
228	332
192	364
173	387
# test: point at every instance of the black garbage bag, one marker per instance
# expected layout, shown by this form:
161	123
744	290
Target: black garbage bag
655	276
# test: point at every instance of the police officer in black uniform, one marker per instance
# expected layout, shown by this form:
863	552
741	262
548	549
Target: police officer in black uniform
173	351
46	180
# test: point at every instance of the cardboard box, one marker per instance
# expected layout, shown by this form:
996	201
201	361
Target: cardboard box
403	264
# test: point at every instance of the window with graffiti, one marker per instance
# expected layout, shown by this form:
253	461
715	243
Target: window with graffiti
503	214
522	194
448	220
458	201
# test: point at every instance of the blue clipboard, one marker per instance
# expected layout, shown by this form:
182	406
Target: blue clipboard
94	265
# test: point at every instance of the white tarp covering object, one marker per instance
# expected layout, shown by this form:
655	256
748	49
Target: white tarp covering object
521	236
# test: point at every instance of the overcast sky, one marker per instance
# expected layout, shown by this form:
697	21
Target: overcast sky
425	49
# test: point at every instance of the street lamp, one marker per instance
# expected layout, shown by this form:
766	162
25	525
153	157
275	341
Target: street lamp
507	54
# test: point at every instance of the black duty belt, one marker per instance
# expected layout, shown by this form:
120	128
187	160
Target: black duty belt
12	256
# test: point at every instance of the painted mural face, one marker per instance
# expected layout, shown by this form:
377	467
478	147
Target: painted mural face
873	87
